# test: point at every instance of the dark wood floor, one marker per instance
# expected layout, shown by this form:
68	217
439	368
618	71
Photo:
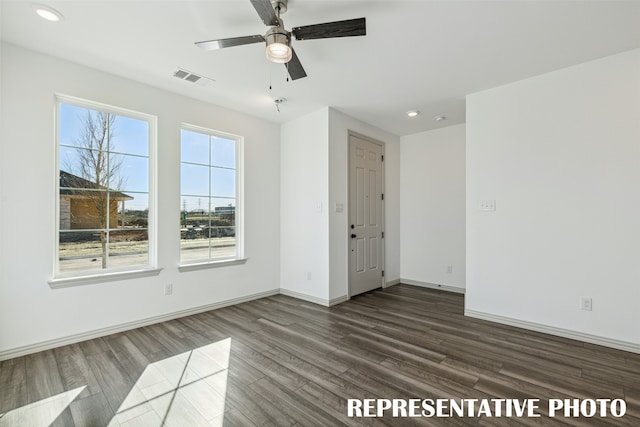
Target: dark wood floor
295	363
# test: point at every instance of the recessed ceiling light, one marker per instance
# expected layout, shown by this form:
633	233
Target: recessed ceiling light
48	13
413	113
439	118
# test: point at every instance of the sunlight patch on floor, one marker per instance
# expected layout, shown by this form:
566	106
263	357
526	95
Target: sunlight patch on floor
40	413
186	389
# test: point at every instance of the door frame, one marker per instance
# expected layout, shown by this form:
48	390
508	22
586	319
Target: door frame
351	133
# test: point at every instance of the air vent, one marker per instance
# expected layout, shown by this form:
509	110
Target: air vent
183	74
180	74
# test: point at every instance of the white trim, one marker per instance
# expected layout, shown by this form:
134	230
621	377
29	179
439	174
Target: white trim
72	339
447	288
552	330
391	283
339	300
305	297
211	264
66	282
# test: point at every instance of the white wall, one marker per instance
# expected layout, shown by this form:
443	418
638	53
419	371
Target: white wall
432	207
340	124
314	256
30	311
560	154
304	224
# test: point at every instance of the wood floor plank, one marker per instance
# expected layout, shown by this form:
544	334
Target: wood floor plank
279	361
291	403
148	344
234	417
581	388
114	381
13	383
256	408
315	374
322	360
334	404
91	411
75	370
43	378
44	381
268	366
93	346
132	359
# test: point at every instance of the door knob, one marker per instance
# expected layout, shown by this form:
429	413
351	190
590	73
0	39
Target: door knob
353	236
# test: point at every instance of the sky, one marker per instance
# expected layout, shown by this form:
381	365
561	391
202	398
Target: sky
207	162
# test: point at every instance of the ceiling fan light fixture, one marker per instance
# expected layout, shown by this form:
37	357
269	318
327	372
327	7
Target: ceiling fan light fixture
278	46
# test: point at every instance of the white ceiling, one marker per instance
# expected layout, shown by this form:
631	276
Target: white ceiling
424	55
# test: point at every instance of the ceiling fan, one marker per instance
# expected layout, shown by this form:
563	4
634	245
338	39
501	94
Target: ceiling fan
278	39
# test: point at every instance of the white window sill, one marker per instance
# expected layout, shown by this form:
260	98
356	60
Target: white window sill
211	264
65	282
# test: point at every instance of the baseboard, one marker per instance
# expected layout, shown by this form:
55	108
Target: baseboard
339	300
447	288
552	330
72	339
309	298
391	283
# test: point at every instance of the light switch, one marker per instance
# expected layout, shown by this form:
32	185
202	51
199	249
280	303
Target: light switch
339	207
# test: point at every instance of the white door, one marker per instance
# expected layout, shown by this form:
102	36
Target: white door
366	215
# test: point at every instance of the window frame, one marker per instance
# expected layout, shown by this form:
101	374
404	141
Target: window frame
239	257
65	279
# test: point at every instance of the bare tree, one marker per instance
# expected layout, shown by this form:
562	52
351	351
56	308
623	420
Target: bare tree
96	165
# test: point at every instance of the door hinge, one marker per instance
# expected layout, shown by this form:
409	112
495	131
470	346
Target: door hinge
382	273
382	196
383	234
382	158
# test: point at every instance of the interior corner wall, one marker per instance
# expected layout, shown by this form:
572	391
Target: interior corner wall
560	155
339	126
304	224
31	312
432	208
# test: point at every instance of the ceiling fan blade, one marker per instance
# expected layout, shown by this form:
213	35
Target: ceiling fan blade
296	71
348	28
266	12
234	41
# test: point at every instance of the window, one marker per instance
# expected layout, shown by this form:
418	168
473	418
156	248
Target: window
209	196
105	177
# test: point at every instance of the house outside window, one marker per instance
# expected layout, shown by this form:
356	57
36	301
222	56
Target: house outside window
210	226
105	181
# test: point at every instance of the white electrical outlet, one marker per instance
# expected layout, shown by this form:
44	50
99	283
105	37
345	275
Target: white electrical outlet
309	275
449	269
168	289
586	303
487	205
